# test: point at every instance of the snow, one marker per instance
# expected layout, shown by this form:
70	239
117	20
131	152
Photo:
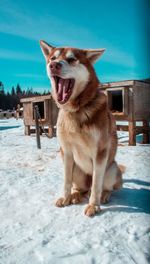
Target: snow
33	230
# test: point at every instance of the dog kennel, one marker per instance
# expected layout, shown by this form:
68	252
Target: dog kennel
48	112
130	101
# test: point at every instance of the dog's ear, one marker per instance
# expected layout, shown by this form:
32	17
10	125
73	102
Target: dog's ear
94	54
46	48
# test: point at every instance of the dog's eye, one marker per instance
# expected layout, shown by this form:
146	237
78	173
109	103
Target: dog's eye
53	58
71	60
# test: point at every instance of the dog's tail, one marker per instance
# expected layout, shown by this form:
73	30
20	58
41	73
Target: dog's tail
122	168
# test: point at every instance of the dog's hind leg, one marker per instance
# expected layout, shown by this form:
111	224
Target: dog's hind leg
112	181
81	185
76	197
105	196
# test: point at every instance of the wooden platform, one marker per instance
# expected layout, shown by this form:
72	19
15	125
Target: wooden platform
130	101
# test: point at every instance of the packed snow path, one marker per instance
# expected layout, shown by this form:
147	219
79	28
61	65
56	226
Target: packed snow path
33	230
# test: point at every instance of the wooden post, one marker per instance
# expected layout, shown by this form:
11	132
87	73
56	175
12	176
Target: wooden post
146	132
37	127
132	123
50	131
27	130
132	133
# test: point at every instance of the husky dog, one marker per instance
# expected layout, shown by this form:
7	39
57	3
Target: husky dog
85	128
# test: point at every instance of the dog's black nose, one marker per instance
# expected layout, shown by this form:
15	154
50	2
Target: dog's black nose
55	65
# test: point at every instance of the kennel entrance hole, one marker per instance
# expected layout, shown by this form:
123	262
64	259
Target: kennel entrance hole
116	98
41	109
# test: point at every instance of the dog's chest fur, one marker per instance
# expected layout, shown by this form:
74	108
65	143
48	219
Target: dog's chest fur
81	141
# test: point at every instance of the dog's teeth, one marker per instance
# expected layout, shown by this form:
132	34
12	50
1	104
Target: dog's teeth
63	88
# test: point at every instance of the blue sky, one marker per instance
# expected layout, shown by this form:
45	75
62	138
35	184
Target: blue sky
112	24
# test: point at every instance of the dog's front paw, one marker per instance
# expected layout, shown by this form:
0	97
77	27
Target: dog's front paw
61	202
92	209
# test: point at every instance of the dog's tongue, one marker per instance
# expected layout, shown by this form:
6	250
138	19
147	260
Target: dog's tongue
63	86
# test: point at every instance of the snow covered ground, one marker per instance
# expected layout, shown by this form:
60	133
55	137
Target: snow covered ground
33	230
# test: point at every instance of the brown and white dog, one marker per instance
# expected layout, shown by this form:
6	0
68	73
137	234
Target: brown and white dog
85	128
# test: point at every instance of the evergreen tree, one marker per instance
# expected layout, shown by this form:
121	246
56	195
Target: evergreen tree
18	90
10	100
12	90
2	88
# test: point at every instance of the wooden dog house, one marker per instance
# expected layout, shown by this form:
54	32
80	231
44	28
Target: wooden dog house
48	114
130	101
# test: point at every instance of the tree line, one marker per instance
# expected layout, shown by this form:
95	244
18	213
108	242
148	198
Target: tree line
10	100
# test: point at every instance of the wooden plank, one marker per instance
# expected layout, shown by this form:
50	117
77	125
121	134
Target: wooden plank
115	89
125	99
55	111
27	112
27	130
142	129
50	131
142	102
109	96
50	113
35	98
132	123
117	84
132	134
123	83
142	84
46	110
122	128
119	116
138	129
146	131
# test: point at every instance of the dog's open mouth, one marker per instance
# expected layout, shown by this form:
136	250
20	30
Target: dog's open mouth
64	88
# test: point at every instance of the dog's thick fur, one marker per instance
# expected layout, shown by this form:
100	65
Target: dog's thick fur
86	129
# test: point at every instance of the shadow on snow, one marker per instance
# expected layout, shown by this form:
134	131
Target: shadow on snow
131	200
9	127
